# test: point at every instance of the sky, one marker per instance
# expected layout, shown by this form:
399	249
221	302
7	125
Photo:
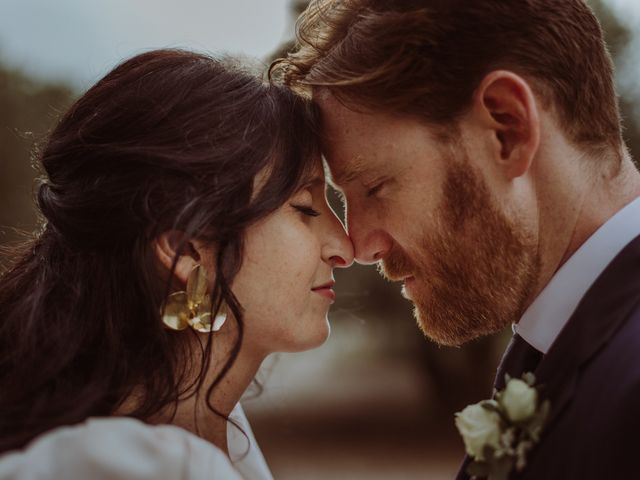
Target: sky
78	41
628	8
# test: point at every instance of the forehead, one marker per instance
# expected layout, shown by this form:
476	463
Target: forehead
314	179
359	143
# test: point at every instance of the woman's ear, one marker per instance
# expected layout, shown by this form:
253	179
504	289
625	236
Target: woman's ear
508	108
172	244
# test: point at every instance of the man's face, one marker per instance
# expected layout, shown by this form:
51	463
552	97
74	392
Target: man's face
418	207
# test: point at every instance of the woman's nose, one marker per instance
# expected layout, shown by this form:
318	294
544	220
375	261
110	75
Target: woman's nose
338	250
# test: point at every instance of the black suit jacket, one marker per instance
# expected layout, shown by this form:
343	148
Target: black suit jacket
591	375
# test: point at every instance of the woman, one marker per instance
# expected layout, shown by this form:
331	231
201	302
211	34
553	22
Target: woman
186	236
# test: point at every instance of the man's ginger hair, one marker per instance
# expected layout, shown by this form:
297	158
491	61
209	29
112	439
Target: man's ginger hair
426	58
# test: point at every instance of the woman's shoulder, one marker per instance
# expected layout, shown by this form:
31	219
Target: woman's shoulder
117	448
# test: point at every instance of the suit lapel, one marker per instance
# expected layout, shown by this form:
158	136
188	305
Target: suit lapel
602	311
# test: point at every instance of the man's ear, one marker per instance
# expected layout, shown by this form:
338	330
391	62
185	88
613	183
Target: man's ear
506	106
171	244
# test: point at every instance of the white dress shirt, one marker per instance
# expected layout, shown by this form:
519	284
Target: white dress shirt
550	311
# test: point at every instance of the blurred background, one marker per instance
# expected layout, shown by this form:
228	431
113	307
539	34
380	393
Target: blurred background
377	400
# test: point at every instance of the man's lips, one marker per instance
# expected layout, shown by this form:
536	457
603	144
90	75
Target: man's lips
398	277
326	290
408	281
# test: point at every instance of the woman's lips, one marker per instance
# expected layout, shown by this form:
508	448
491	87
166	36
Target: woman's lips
326	291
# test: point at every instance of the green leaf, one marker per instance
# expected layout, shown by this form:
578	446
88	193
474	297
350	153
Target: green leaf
544	410
500	469
507	439
521	454
488	453
478	469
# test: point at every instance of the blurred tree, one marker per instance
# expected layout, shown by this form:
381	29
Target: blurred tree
27	110
619	37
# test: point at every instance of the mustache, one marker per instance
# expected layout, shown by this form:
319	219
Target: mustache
396	266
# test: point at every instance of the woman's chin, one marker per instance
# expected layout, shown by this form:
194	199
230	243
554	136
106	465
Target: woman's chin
308	340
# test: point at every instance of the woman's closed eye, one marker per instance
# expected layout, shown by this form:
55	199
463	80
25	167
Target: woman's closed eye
306	210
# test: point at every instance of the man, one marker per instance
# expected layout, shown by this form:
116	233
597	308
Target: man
478	146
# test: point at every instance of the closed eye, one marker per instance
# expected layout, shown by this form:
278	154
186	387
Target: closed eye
306	210
375	189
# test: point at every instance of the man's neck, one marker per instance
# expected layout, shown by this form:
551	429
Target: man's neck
583	211
602	203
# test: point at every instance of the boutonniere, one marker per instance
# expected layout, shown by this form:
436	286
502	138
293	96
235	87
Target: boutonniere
499	433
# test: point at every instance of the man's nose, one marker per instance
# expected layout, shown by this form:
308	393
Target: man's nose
371	244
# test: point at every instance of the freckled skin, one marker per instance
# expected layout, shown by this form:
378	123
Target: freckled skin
286	255
402	151
420	207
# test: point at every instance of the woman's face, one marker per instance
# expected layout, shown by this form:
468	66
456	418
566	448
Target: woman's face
285	282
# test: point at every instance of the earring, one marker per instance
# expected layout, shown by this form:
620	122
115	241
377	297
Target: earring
192	308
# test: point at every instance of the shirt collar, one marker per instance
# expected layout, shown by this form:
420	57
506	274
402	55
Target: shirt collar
550	311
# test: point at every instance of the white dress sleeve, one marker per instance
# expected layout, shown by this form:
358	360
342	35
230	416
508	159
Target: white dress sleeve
243	448
118	449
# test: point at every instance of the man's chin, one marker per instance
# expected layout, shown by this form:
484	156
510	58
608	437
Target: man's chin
450	331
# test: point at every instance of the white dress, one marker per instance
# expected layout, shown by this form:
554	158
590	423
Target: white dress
121	448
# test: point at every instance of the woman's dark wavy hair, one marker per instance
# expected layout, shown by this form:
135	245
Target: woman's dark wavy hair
168	140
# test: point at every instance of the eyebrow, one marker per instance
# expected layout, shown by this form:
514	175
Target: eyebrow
314	182
347	175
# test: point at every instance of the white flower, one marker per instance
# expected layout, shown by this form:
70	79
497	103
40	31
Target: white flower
519	400
499	433
479	428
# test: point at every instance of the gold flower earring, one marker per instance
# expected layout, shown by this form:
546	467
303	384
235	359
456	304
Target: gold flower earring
192	308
